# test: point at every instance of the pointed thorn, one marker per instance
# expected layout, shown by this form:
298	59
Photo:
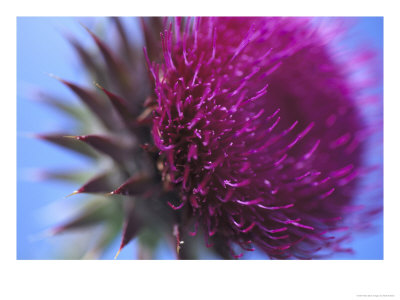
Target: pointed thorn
72	194
55	231
116	255
98	85
38	136
53	76
81	24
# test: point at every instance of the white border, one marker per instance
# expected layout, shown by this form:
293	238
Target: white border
198	279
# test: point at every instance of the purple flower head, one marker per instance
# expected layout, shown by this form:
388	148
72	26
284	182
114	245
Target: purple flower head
251	132
259	132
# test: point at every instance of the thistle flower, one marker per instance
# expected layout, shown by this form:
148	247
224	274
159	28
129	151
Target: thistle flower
259	131
246	131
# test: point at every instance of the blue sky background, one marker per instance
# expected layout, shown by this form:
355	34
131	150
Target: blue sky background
42	49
